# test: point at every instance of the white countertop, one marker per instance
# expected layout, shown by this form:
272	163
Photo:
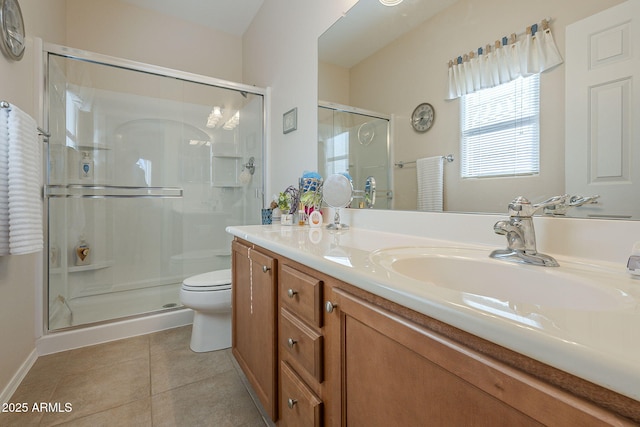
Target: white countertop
600	346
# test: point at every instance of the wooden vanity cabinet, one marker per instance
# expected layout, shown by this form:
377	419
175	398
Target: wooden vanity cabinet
254	320
349	358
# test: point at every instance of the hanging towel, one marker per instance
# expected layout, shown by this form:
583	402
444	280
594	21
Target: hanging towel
4	181
430	183
23	172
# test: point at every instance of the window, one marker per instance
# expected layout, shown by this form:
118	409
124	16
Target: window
500	130
337	154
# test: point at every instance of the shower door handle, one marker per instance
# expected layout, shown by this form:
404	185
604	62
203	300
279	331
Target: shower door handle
110	191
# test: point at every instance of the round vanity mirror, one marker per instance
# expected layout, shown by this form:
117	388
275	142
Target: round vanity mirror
337	192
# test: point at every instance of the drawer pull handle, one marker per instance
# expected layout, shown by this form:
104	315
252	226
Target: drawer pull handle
265	268
291	403
329	306
291	293
291	342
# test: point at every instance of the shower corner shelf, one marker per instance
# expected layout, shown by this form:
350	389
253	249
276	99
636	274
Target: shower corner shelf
90	267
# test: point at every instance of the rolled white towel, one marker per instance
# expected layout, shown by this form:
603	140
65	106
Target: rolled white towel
4	181
24	169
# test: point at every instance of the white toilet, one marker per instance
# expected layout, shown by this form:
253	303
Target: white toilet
209	296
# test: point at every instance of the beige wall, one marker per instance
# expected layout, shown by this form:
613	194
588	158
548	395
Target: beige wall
21	276
424	53
122	30
280	50
333	84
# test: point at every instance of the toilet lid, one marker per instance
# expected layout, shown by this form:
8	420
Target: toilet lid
212	279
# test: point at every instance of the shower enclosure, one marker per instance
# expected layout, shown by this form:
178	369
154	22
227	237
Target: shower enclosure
146	168
358	142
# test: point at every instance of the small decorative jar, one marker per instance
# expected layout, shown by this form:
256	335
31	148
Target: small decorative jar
266	216
286	219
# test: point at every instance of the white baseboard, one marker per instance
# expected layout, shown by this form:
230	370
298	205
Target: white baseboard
66	340
22	372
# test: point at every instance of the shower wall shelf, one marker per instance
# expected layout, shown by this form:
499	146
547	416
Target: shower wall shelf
227	185
227	156
90	267
83	147
226	168
107	191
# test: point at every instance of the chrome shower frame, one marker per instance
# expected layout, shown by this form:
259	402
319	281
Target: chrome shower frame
42	87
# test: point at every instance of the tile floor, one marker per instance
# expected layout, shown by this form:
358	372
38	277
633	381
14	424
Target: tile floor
150	380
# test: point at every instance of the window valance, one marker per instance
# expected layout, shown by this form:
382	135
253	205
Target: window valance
508	59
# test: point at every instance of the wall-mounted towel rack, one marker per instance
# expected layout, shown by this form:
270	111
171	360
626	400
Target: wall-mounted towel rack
46	135
401	164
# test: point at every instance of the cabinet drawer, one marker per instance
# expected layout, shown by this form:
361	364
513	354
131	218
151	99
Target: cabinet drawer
302	343
301	294
299	406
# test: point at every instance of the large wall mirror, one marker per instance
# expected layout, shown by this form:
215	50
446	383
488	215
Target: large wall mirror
388	60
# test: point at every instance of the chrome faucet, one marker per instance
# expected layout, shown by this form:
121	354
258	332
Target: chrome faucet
521	236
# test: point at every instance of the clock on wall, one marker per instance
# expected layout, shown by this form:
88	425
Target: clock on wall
422	117
12	29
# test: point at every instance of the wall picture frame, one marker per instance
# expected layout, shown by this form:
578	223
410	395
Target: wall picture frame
290	120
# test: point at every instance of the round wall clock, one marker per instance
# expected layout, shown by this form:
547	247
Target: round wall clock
12	29
422	117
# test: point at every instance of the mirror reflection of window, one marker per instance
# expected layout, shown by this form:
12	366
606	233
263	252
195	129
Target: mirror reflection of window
337	154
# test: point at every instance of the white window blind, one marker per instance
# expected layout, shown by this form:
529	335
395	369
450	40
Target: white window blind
337	154
501	130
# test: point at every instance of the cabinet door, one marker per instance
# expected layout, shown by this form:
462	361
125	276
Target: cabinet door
254	321
391	376
395	372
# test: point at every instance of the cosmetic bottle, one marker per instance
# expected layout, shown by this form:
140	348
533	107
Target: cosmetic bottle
302	216
82	250
86	166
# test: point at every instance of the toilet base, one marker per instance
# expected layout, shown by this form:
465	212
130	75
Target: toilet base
210	332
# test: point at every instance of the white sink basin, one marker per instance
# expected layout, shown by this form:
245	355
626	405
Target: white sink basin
473	272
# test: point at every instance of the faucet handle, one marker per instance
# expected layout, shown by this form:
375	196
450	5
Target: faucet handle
571	202
575	201
519	205
552	201
522	207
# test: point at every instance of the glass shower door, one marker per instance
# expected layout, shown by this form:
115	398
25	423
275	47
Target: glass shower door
145	171
357	143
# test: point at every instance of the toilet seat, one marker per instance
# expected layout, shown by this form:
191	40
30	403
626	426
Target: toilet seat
219	280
